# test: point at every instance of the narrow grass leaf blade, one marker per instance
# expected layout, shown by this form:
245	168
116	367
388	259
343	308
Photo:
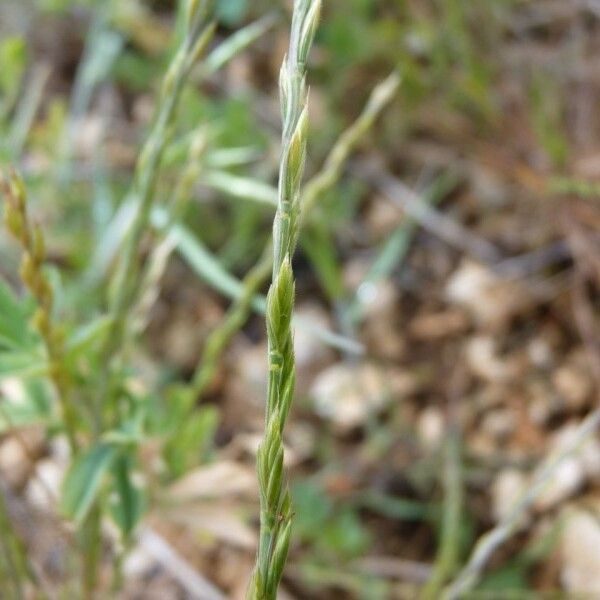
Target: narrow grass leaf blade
129	503
22	364
235	43
244	188
87	335
83	481
13	320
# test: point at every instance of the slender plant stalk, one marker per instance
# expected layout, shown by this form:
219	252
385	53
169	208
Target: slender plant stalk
275	503
165	243
90	540
380	97
487	544
15	553
233	321
31	239
447	556
314	189
126	281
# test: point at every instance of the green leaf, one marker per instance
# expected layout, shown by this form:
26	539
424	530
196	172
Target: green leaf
13	56
25	404
395	507
319	247
313	508
22	364
231	12
14	331
191	439
346	535
244	188
237	42
130	501
84	479
87	335
510	577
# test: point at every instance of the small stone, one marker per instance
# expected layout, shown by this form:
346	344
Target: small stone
60	449
482	444
490	299
484	361
14	462
308	349
382	218
499	423
348	393
379	301
17	453
573	381
88	135
384	342
182	340
44	485
579	546
377	298
251	379
354	273
433	326
506	489
540	352
138	563
431	426
541	404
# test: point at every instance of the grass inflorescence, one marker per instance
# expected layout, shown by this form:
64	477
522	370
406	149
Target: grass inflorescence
31	239
275	503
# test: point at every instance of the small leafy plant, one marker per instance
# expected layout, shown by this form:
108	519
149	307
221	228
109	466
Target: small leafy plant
73	348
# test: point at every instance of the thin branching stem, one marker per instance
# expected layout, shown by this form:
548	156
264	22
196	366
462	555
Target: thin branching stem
493	539
126	280
233	321
164	242
336	160
447	556
314	189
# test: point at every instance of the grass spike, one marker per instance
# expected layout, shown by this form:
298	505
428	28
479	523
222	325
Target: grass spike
275	525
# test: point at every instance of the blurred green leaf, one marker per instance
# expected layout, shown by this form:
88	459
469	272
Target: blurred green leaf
26	404
129	503
14	332
319	246
231	12
22	364
191	439
84	479
236	42
345	534
548	115
396	508
85	336
332	529
313	508
13	57
512	577
135	70
244	188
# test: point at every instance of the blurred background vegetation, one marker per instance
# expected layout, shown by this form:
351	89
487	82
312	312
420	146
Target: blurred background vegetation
448	286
